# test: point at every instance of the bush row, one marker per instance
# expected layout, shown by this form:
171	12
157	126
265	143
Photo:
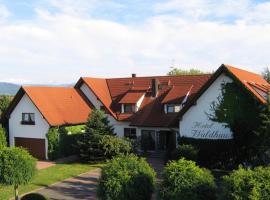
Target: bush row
130	177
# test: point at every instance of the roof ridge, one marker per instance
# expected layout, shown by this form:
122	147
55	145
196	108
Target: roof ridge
243	70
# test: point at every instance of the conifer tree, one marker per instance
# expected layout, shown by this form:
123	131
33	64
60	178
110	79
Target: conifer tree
96	127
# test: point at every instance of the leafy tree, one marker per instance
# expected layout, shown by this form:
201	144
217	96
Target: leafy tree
240	112
17	167
3	139
177	71
266	74
4	103
96	127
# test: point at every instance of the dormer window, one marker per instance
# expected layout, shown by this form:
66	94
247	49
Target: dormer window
128	108
173	108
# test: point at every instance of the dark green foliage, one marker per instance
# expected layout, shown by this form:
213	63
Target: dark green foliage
96	127
115	146
263	137
213	153
239	111
246	184
4	103
3	139
177	72
126	177
34	196
17	166
62	143
183	180
187	151
53	144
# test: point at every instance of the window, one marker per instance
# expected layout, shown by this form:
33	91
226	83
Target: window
130	133
28	118
129	108
173	108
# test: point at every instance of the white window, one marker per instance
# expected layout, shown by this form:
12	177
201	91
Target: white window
28	118
129	108
173	108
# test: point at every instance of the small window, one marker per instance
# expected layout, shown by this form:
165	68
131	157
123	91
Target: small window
28	118
130	133
171	108
129	108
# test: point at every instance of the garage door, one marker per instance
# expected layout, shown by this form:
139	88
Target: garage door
36	147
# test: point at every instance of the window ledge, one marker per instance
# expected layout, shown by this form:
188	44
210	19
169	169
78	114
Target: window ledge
27	123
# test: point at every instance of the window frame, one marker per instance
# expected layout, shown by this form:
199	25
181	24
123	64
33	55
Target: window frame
174	108
129	133
132	106
31	119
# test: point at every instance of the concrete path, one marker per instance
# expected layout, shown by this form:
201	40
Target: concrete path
80	187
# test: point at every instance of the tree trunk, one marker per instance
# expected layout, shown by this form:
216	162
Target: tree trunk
16	192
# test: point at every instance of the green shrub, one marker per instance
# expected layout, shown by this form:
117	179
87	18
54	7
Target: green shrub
3	139
62	143
186	151
34	196
183	180
53	144
126	177
246	184
17	167
115	146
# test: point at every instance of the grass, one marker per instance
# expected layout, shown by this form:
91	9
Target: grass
46	177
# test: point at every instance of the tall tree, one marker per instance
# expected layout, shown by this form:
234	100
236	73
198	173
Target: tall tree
177	72
241	113
96	127
266	74
4	103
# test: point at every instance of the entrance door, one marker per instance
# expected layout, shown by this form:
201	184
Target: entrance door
36	147
162	140
148	140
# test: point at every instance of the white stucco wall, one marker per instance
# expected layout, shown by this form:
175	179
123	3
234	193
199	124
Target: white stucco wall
195	122
16	129
139	103
91	96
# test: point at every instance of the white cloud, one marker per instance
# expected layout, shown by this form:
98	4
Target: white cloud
61	47
4	12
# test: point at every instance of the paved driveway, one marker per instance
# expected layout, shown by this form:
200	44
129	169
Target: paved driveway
81	187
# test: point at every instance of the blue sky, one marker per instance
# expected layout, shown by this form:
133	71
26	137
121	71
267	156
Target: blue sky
57	41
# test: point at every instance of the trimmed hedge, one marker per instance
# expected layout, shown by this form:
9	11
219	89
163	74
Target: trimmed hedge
62	143
115	146
126	177
187	151
34	196
183	180
244	184
221	154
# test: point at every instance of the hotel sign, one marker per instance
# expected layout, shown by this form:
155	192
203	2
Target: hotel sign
210	130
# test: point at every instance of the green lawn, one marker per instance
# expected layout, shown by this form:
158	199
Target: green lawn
46	177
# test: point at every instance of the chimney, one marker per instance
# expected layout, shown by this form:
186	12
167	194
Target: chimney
154	87
133	75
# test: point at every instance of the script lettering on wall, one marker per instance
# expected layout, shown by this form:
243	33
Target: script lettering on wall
209	131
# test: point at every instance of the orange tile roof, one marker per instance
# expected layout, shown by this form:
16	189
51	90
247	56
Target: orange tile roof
59	105
131	97
250	80
112	92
